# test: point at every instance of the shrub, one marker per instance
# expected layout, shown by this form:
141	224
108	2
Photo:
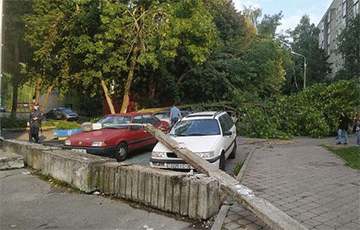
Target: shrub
11	122
67	125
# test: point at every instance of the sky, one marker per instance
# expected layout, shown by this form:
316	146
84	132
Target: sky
292	10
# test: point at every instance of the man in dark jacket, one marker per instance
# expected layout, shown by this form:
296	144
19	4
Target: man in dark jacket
344	123
35	119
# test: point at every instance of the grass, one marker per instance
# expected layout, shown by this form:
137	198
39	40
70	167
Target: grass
238	167
351	155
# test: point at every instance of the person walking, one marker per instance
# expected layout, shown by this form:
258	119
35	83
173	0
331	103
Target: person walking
35	119
344	123
356	128
175	115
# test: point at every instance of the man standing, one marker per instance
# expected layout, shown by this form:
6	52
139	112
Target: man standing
344	123
175	115
35	119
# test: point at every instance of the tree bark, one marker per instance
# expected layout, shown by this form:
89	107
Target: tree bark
15	99
38	89
133	63
15	82
108	98
152	87
48	91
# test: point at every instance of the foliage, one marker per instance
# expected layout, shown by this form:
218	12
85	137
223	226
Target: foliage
238	167
16	51
12	122
349	46
268	25
67	125
305	42
49	123
351	155
313	112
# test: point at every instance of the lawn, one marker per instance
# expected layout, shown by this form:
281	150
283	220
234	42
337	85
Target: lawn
351	155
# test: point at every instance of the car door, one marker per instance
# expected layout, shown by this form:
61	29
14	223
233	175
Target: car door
227	126
137	136
148	137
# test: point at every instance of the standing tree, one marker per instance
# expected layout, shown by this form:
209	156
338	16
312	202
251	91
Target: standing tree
349	46
16	50
305	42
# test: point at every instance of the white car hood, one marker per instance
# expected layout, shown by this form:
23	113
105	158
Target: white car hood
193	143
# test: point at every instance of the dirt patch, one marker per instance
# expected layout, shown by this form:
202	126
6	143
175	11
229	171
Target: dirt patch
282	142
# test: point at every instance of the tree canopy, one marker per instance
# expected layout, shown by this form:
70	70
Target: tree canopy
349	47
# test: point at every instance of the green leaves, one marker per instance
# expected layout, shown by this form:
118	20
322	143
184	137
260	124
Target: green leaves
349	46
313	112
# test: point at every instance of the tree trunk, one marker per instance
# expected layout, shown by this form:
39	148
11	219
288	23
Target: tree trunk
152	88
15	82
15	99
125	102
48	91
108	99
38	89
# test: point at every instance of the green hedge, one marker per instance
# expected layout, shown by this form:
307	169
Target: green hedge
9	122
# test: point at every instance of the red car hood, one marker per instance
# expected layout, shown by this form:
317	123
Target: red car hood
98	135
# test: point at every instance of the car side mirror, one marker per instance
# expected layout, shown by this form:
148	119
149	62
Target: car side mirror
227	133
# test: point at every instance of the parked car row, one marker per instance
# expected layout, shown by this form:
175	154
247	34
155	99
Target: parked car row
62	113
210	135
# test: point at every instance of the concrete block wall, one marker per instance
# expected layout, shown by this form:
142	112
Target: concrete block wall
194	196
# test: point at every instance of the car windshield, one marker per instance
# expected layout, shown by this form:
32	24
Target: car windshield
114	121
67	111
198	127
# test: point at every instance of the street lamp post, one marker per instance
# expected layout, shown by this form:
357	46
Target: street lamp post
304	66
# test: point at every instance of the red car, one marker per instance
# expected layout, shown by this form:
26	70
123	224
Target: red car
116	135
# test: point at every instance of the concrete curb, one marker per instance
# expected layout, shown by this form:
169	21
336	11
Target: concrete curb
243	168
220	218
195	196
11	161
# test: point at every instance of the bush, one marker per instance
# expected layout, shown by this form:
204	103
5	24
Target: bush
67	125
11	122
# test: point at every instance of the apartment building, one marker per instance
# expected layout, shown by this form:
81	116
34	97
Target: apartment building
331	26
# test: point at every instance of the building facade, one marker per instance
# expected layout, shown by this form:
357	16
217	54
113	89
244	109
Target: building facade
331	25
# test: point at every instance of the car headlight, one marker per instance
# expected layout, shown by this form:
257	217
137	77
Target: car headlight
98	144
205	154
159	154
67	142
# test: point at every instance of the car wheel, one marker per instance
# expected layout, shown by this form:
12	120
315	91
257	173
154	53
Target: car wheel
222	162
121	152
233	152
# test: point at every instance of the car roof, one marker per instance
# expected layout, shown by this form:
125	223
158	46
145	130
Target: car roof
207	114
131	114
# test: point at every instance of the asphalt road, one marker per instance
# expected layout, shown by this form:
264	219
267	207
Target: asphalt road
26	202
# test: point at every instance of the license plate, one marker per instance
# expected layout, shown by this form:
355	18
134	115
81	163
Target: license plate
179	166
79	150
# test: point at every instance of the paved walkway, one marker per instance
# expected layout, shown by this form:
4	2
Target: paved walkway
301	178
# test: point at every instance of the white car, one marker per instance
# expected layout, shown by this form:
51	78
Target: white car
210	135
